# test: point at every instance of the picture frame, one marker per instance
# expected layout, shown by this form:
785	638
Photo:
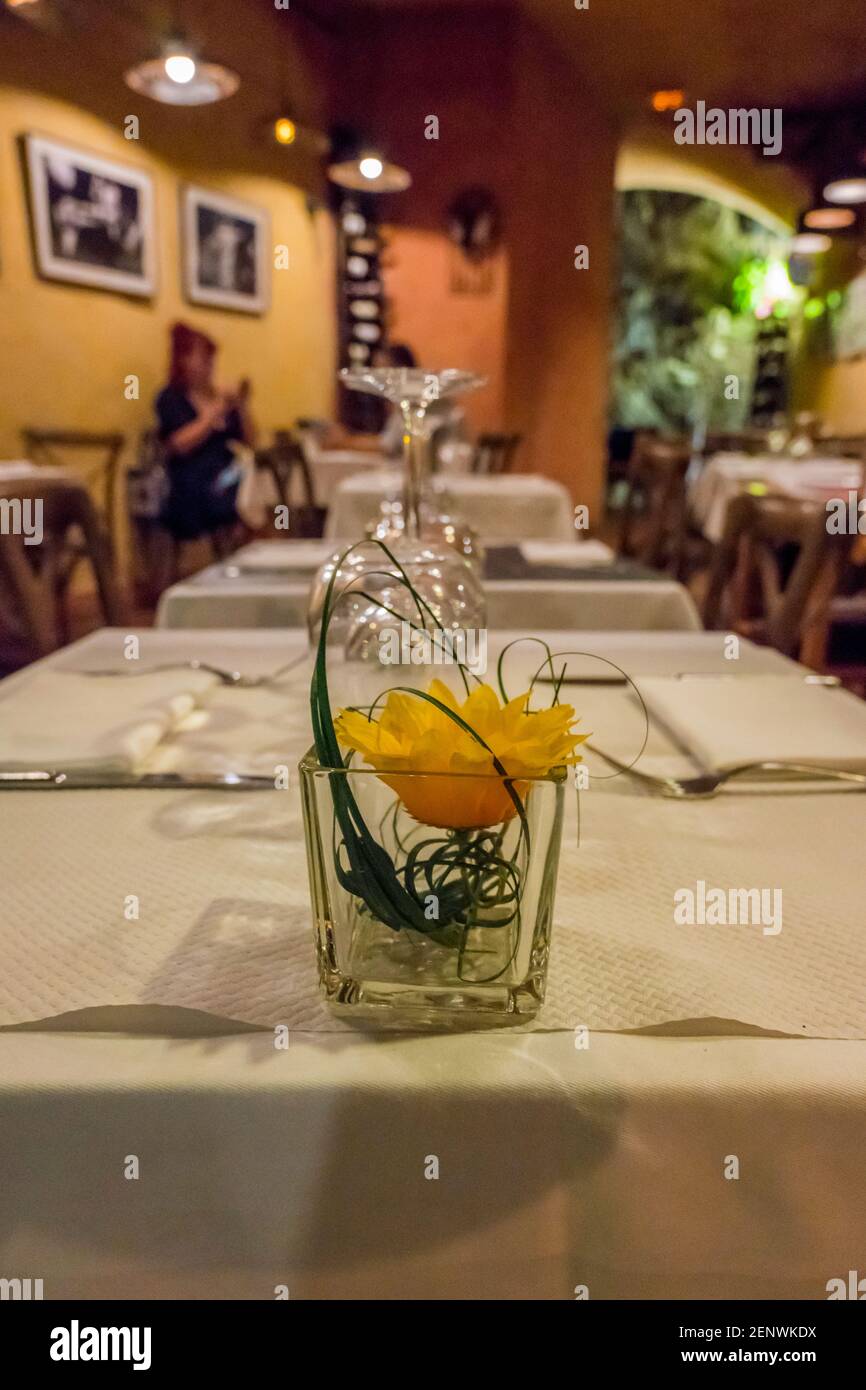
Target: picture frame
93	219
226	251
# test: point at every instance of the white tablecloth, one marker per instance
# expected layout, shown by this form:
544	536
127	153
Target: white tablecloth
726	475
558	1166
327	472
23	471
514	506
332	468
226	596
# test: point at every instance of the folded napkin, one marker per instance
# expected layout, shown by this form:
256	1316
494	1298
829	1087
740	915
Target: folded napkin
576	554
68	722
304	556
726	720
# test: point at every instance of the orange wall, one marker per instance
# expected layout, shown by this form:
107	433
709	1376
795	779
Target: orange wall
445	328
560	196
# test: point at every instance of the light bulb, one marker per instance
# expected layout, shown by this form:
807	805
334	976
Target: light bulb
371	166
285	131
180	68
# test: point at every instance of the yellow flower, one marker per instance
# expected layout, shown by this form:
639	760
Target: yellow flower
413	736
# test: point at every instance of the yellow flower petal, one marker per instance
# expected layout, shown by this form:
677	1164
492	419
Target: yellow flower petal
411	735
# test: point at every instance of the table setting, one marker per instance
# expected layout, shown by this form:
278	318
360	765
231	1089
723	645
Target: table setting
162	939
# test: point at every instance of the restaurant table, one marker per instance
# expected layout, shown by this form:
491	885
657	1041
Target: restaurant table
726	475
500	507
562	1168
617	597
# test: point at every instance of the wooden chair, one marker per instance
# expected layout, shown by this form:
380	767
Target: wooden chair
35	578
285	463
49	447
775	571
656	493
494	453
837	645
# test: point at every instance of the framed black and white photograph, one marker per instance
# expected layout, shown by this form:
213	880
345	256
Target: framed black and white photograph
226	251
93	219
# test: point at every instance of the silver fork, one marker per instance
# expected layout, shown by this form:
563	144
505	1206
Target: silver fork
707	784
233	678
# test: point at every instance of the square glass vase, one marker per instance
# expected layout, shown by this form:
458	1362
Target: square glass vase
425	925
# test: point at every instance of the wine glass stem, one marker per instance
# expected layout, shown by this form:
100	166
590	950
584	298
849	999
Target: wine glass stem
414	470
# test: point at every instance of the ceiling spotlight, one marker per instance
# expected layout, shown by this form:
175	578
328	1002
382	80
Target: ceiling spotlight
809	244
846	191
179	78
829	219
285	131
371	166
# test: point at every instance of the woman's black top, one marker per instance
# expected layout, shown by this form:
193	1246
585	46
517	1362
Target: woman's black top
203	483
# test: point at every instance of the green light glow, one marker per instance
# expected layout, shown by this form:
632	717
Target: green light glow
762	285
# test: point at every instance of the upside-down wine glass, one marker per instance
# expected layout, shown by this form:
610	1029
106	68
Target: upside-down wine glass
373	600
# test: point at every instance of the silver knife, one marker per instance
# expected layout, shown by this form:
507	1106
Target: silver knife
45	779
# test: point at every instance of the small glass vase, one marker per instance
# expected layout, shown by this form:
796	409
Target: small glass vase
481	888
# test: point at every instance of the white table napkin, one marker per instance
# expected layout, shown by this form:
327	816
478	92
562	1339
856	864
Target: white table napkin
575	554
726	720
305	556
69	722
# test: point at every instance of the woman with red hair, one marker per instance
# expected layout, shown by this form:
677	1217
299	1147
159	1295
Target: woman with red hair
197	424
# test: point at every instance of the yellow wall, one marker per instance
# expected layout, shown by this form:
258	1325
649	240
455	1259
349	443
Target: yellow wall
836	390
839	396
65	350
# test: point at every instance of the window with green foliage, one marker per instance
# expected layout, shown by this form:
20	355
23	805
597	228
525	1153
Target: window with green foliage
691	275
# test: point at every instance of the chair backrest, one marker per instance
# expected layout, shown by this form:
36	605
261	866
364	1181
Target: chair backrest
851	446
35	575
49	446
284	461
746	441
656	478
747	568
494	453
